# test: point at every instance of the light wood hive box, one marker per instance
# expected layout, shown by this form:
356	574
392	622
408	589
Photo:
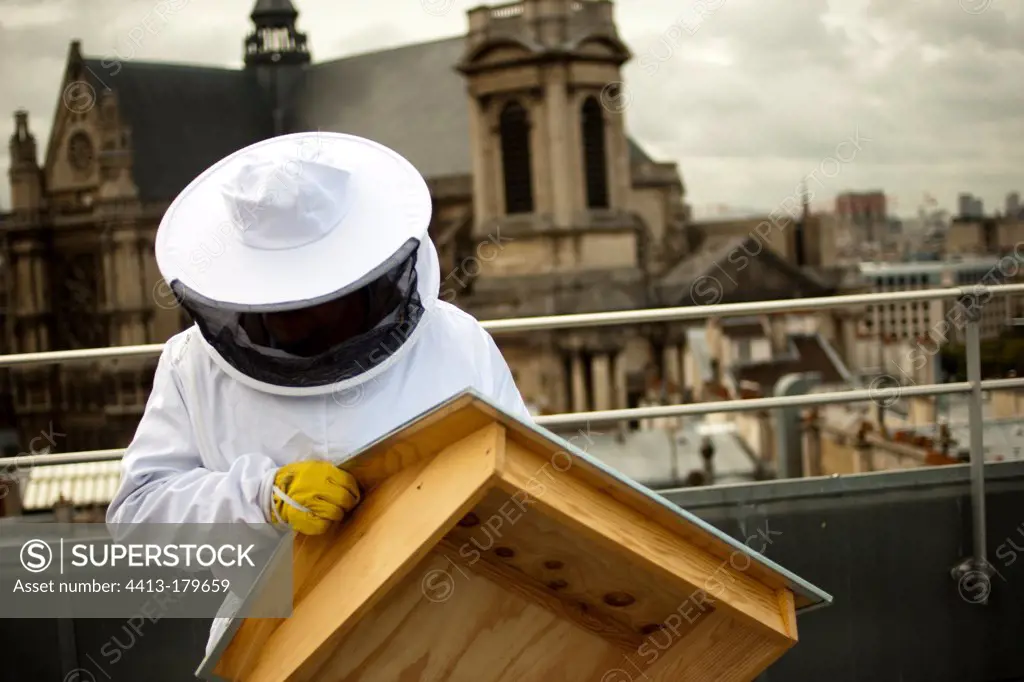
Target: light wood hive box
488	550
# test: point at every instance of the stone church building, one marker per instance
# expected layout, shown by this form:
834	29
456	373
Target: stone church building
542	203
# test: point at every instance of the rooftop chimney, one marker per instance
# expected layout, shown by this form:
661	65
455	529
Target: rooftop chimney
63	510
778	335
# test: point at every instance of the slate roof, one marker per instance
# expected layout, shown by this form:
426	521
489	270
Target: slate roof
184	118
410	99
689	269
736	268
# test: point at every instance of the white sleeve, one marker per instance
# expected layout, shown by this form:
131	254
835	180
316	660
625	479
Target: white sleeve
163	478
500	386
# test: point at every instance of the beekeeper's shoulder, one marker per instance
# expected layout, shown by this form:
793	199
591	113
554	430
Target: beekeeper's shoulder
183	351
461	327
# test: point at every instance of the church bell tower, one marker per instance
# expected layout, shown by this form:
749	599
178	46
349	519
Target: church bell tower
277	53
548	143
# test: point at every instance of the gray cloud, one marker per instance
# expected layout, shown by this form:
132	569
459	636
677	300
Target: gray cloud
995	24
748	99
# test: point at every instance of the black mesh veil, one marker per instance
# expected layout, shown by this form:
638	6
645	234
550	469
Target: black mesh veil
238	336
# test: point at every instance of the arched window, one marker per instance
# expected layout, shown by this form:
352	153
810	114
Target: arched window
595	164
515	158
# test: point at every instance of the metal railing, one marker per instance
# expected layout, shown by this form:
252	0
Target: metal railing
584	320
633	413
973	386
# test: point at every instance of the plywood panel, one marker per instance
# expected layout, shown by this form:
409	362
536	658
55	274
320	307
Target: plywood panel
721	648
606	592
478	632
599	481
589	515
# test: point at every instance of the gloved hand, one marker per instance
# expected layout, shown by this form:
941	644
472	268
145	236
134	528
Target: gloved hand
310	495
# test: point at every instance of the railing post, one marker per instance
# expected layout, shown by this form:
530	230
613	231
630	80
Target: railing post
975	570
977	424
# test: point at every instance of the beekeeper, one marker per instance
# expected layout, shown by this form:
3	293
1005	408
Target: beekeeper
305	263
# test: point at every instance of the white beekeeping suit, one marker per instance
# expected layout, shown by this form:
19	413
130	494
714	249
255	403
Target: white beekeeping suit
295	223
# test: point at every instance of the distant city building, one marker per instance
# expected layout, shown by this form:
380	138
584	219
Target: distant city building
963	205
891	322
865	210
1013	207
992	236
970	206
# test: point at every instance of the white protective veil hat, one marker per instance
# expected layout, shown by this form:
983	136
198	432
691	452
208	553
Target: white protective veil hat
292	222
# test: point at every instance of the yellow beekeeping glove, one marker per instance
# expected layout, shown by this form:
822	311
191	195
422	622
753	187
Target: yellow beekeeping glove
310	495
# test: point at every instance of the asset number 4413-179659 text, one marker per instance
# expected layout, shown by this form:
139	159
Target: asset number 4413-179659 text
158	585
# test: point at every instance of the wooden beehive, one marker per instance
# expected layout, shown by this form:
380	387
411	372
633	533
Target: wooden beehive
488	550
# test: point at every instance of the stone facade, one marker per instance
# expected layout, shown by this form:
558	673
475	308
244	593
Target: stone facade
79	247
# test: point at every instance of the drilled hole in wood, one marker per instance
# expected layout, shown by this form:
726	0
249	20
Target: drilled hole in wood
651	628
505	552
553	564
469	520
558	584
618	599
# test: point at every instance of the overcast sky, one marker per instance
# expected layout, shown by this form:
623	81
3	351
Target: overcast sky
748	96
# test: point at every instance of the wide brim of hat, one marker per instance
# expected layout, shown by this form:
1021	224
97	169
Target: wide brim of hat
388	205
